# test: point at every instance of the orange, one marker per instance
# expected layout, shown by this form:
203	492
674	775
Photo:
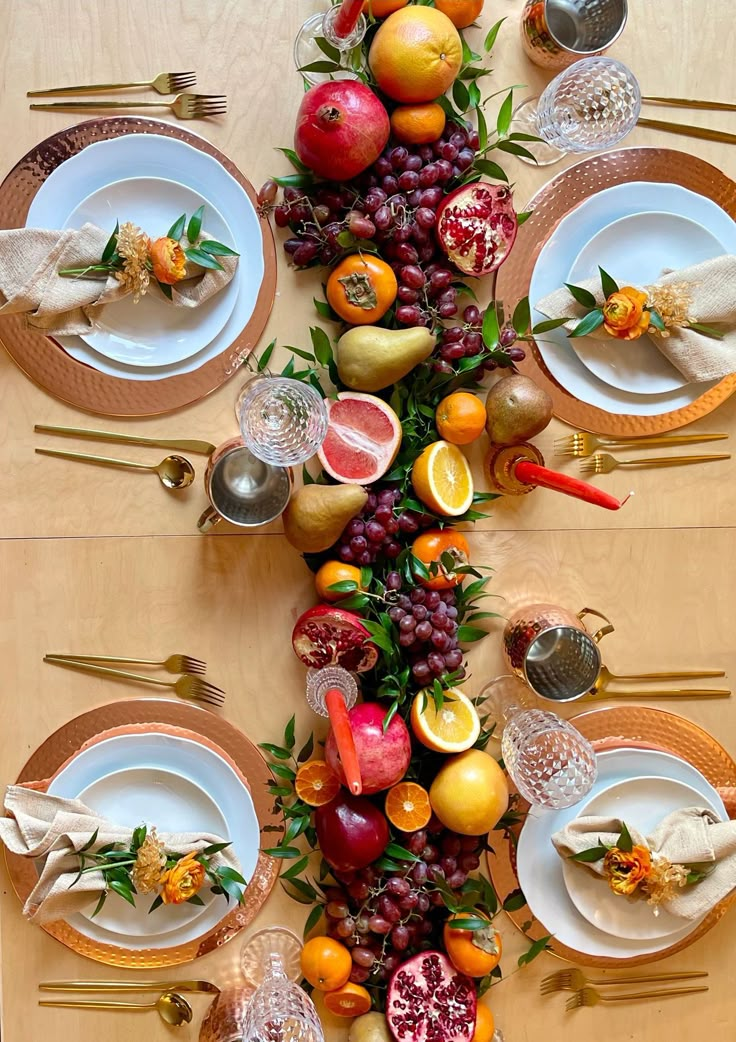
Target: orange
408	807
382	8
326	963
418	124
484	1024
416	54
361	288
316	784
350	1001
474	952
461	13
431	545
333	572
451	729
442	479
460	418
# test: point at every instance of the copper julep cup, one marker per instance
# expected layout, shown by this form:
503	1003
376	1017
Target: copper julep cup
242	489
556	33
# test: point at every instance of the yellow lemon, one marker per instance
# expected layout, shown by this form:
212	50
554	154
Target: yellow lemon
469	793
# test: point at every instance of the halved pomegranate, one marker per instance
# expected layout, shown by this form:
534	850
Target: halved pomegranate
476	227
429	1001
327	636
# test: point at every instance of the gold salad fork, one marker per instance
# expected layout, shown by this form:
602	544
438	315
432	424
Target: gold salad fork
172	664
185	106
192	689
575	980
591	997
164	83
604	463
583	444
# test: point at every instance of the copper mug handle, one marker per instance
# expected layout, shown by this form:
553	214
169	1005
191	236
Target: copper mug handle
604	630
208	520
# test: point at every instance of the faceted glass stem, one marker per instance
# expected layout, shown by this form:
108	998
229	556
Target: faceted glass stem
307	51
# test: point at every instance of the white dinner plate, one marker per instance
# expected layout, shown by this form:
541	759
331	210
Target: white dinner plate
553	266
152	332
151	155
642	803
539	866
198	765
635	251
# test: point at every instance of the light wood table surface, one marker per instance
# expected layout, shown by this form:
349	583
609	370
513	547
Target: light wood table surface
107	561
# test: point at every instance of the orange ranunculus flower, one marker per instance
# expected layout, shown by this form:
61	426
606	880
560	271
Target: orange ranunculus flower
183	880
168	260
624	314
626	869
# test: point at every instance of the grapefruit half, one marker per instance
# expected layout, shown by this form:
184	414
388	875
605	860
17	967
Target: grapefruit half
363	437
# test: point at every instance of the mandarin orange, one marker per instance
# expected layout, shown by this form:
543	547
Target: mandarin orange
418	124
382	8
461	13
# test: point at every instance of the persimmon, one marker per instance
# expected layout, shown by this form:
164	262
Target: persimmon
473	952
361	288
431	545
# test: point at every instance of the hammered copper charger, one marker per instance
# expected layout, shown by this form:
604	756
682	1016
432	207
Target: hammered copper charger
557	199
129	716
76	383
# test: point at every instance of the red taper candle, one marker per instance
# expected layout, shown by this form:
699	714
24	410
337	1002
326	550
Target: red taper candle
347	17
340	722
534	474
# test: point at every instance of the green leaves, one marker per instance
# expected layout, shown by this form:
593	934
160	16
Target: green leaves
583	296
521	319
111	245
586	325
217	248
177	228
491	36
491	329
655	319
312	919
709	331
550	323
535	949
624	841
491	169
608	285
289	152
205	260
514	901
590	855
503	119
195	225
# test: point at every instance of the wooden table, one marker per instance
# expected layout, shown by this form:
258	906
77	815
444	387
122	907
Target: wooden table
99	560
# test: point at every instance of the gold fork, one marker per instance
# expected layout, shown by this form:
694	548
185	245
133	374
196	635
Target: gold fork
190	688
591	997
582	444
693	103
687	130
185	106
173	664
575	980
164	83
604	463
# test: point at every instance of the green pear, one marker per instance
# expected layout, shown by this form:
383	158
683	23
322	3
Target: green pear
317	514
370	358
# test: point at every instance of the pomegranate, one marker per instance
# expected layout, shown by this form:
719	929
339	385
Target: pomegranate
341	128
327	636
429	1001
383	756
351	832
476	227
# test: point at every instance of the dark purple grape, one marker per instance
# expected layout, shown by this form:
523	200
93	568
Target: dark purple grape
407	624
517	354
391	963
439	280
413	162
451	845
419	235
388	909
444	170
421	671
345	553
414	197
409	180
358	543
450	152
391	549
469	862
407	522
473	342
451	336
360	226
449	865
383	218
407	295
398	156
430	854
375	532
412	276
471	315
305	254
447	310
378	924
354	527
393	581
390	184
473	140
423	631
425	217
465	159
453	352
375	198
507	336
345	928
407	253
384	512
416	842
426	153
436	662
459	138
363	957
406	637
382	166
428	176
418	595
398	886
404	602
422	903
292	245
408	315
400	938
419	612
435	872
402	233
395	613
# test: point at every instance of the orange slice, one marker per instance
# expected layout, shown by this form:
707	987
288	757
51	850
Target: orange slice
316	784
442	479
408	807
349	1001
451	729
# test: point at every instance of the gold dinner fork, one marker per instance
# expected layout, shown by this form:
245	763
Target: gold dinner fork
575	980
591	997
583	444
185	106
189	688
164	83
173	664
604	463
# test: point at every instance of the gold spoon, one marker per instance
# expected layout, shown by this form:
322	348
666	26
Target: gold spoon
172	1008
173	471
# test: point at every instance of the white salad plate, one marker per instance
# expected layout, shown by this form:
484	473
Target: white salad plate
635	251
642	803
175	784
552	270
152	155
540	867
151	331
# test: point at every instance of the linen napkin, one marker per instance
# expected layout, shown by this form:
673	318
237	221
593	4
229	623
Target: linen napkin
712	289
50	827
31	258
691	836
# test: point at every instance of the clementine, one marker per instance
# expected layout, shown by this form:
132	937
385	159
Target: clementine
361	288
416	54
460	418
407	806
461	13
332	572
418	124
326	963
484	1024
351	1000
382	8
316	784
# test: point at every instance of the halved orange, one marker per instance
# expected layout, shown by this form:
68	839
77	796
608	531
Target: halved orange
351	1000
316	784
408	807
452	729
442	479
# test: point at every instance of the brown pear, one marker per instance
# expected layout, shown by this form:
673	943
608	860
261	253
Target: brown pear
317	514
516	409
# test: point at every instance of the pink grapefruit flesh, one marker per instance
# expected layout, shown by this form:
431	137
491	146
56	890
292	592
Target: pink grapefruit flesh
363	437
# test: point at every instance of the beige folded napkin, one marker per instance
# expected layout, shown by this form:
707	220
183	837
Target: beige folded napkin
712	289
691	836
31	258
44	826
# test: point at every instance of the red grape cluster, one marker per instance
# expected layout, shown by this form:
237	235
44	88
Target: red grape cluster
385	918
427	624
466	341
378	529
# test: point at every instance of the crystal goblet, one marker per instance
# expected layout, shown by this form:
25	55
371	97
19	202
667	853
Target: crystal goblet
280	1011
282	421
329	27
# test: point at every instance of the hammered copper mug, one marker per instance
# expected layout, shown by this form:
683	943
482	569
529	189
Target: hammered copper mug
550	648
242	489
556	33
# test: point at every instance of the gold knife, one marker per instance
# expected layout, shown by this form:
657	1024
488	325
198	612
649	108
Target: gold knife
688	131
128	985
692	103
182	444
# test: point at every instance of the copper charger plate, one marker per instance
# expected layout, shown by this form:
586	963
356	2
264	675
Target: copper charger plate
46	363
662	730
556	200
172	717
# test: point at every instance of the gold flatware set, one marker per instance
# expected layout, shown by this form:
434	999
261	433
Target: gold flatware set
185	106
584	446
687	129
190	687
172	1007
583	994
